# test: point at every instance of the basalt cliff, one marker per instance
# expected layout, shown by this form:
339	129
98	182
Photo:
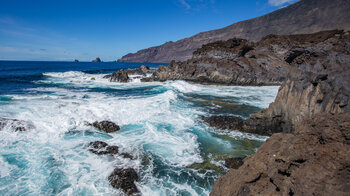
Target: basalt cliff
309	122
305	16
308	152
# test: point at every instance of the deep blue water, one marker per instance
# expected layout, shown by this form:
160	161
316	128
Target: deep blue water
160	126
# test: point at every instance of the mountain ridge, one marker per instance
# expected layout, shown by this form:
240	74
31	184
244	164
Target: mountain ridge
304	16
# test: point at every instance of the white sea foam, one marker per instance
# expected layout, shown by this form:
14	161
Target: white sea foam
157	125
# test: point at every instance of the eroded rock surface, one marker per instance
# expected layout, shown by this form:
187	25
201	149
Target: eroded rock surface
102	148
124	179
106	126
240	62
314	160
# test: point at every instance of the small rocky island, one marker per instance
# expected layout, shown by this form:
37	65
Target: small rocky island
97	60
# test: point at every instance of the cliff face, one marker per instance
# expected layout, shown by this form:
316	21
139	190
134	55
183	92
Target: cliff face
312	108
318	81
305	16
240	62
313	161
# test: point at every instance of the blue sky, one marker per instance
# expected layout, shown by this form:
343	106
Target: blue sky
85	29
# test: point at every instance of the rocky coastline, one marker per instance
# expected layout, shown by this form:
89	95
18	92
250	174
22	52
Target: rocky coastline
308	122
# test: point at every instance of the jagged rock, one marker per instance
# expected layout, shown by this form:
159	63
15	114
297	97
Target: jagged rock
313	161
102	148
16	125
120	76
234	162
142	70
124	179
97	60
240	62
126	155
106	126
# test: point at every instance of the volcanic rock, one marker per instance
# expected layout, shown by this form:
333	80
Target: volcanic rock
97	60
16	125
106	126
102	148
124	179
234	162
313	161
120	76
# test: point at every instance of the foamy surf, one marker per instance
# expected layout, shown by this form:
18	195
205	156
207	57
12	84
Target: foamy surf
160	127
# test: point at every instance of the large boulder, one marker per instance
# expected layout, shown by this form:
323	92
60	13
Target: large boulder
314	160
106	126
120	76
124	179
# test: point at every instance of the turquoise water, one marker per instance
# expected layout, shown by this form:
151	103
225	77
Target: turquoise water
160	127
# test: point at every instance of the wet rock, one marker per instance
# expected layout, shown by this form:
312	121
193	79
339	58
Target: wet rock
76	60
126	155
124	179
16	125
224	122
314	160
102	148
234	162
106	126
120	76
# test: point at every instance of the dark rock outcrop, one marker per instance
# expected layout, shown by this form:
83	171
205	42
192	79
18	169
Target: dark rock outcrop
234	162
240	62
106	126
76	60
97	60
305	16
120	76
317	81
142	70
124	179
313	161
16	125
102	148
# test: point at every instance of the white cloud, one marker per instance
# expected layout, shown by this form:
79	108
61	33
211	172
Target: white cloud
280	2
185	4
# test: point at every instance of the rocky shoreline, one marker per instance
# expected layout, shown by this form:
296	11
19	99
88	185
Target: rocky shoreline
308	122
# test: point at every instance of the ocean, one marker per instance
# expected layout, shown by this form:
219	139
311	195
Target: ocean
160	126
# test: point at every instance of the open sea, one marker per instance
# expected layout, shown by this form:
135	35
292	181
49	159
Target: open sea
160	126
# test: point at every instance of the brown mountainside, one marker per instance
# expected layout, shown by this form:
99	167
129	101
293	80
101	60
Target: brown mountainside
305	16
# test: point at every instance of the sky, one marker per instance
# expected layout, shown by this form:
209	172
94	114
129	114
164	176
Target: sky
64	30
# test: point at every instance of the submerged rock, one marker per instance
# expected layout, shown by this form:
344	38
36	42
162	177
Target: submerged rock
101	148
16	125
124	179
313	161
106	126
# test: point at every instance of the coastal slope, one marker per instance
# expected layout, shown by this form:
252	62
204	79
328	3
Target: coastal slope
305	16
